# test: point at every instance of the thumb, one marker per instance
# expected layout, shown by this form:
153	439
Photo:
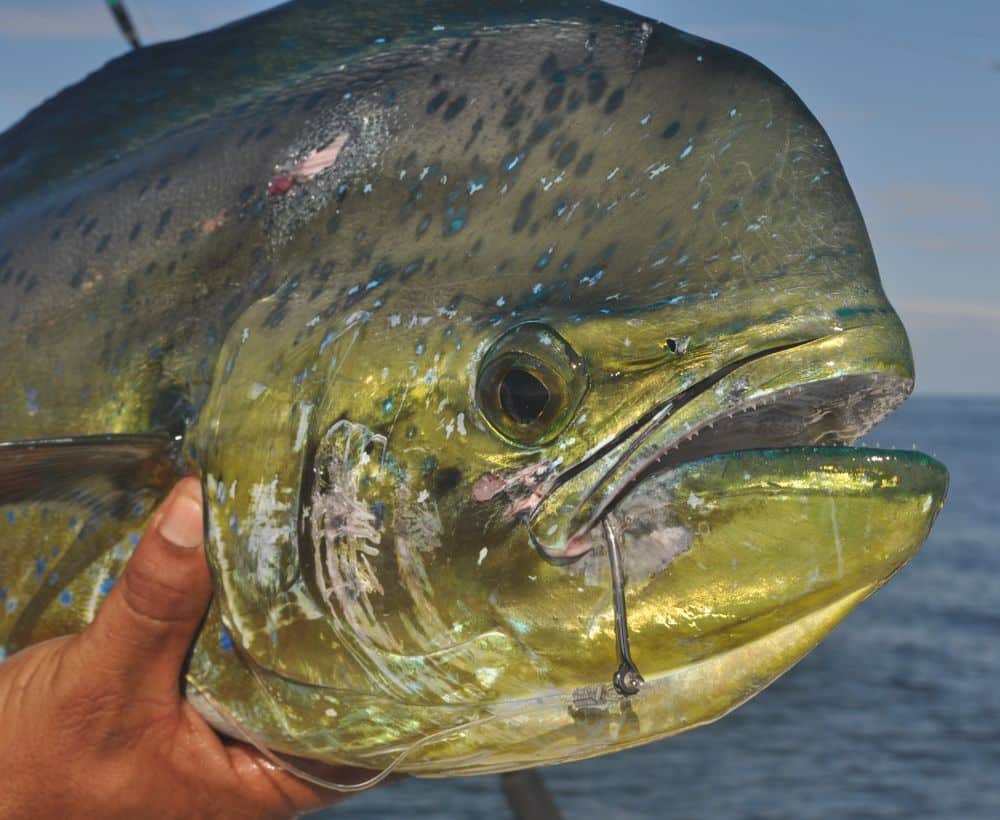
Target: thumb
143	631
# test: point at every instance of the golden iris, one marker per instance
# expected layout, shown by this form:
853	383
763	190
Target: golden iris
530	385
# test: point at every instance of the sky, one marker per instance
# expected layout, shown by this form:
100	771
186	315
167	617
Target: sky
908	90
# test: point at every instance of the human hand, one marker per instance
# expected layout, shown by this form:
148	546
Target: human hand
94	725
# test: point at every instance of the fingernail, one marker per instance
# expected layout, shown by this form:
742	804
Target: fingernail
181	522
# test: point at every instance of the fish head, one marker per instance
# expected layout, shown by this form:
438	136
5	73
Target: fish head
618	291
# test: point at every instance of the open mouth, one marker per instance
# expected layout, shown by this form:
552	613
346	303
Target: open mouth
721	414
825	412
834	412
794	397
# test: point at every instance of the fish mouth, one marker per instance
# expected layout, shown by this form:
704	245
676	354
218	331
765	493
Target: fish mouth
797	395
737	530
805	417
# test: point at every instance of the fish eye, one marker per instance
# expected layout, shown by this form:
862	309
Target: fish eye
523	396
530	384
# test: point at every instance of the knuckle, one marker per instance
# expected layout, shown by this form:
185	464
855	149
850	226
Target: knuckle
155	595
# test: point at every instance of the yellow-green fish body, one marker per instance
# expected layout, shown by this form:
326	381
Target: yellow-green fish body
440	298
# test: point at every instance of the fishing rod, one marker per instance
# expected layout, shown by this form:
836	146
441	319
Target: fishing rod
124	21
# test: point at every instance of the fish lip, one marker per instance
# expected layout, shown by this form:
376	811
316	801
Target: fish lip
655	465
645	426
874	384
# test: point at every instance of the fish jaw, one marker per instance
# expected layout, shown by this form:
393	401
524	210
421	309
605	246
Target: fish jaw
830	390
736	606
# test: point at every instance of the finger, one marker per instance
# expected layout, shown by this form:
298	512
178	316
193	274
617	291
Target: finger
142	632
280	791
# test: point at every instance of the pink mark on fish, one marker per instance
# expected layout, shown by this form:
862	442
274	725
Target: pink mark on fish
524	487
313	165
211	225
487	486
281	185
578	545
318	161
527	503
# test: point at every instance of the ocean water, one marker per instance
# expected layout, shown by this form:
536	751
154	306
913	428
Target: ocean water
897	714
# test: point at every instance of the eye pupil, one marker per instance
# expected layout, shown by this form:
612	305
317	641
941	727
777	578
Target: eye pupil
522	396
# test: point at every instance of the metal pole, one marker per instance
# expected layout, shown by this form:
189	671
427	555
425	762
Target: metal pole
528	797
124	21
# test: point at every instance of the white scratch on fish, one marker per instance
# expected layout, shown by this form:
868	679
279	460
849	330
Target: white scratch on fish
305	409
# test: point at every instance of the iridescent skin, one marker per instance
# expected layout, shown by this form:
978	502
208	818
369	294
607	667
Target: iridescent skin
307	268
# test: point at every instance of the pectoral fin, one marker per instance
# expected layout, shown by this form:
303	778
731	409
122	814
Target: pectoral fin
70	513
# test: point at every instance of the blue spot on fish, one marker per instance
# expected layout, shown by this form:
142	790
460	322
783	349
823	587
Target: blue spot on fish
106	585
387	406
456	217
686	152
514	162
327	341
11	604
40	565
225	640
32	400
133	538
10	516
66	598
521	627
3	593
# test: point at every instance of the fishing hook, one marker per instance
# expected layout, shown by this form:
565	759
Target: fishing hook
627	679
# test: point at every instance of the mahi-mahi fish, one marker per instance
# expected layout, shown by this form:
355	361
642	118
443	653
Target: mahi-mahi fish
519	347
